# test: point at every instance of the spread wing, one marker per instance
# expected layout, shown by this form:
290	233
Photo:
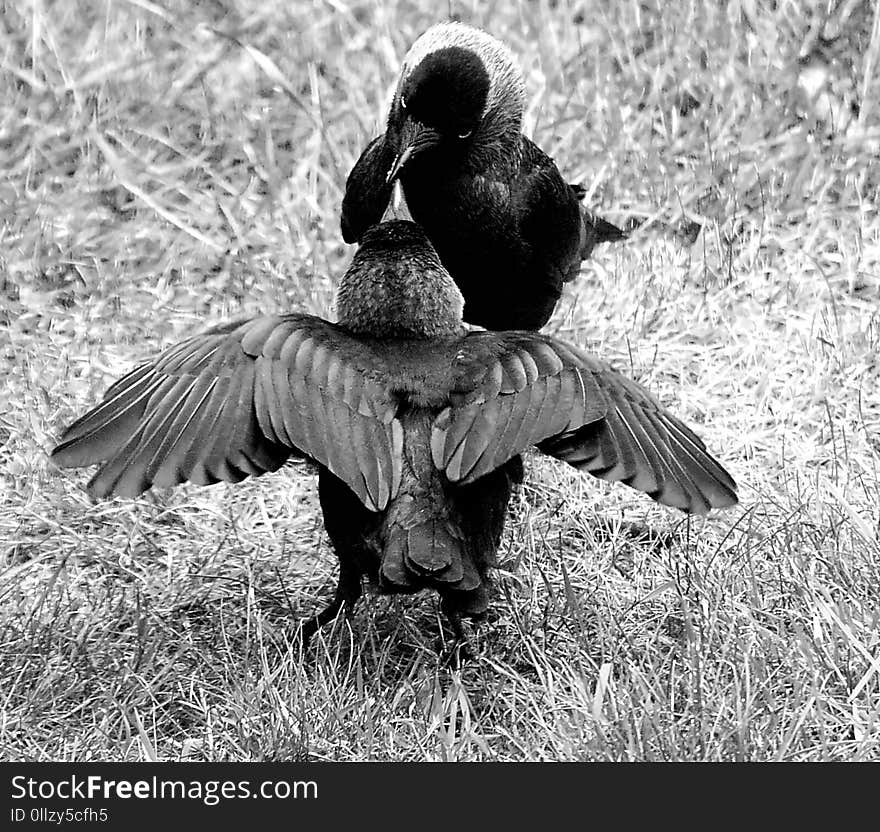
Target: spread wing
514	390
237	401
367	191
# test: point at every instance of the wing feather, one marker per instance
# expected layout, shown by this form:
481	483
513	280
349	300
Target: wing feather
237	401
575	407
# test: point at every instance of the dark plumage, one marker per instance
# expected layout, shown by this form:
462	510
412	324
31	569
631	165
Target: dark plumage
506	225
416	425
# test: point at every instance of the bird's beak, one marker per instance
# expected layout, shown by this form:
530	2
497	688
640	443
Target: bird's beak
397	208
414	138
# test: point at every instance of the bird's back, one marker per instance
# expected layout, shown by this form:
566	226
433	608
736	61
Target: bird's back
433	534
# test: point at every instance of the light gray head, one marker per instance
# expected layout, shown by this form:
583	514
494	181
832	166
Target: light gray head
459	88
396	287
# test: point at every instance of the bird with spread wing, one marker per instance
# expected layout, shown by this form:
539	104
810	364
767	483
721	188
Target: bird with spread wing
417	426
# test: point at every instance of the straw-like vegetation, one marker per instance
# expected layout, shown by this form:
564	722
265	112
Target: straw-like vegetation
167	165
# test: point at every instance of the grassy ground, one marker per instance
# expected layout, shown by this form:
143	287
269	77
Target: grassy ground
169	165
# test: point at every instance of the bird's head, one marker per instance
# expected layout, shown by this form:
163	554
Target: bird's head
459	89
396	287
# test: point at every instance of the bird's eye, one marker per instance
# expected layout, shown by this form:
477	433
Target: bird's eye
465	135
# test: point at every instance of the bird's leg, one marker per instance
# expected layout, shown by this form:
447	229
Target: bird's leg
459	649
454	617
348	590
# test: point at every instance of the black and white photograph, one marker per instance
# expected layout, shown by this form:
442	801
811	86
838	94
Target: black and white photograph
388	381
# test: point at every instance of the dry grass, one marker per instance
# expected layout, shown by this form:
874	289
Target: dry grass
170	164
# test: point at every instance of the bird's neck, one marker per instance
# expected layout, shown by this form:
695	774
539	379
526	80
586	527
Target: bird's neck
407	297
498	145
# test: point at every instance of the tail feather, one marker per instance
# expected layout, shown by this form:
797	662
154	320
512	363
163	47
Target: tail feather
600	229
442	536
394	574
594	228
431	550
597	230
430	553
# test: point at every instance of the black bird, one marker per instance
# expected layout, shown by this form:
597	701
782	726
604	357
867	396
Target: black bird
506	225
417	426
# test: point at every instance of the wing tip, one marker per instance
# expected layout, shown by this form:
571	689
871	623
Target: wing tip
67	454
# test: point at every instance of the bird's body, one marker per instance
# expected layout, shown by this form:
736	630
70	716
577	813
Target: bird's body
417	425
506	225
433	535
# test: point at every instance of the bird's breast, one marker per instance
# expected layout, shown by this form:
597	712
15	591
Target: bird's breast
467	218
